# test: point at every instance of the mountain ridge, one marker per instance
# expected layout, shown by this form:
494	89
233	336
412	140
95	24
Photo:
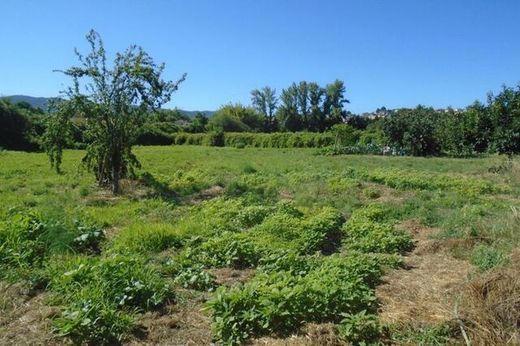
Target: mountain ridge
43	102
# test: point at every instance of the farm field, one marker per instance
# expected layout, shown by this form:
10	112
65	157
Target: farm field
261	246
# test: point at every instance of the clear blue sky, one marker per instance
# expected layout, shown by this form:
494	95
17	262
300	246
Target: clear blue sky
389	53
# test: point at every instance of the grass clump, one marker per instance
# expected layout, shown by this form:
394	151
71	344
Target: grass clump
486	257
143	238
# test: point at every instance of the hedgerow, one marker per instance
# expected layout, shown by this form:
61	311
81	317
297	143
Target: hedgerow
259	140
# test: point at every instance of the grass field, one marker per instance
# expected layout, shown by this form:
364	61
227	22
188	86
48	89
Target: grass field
269	246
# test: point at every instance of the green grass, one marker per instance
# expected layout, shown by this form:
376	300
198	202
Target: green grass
319	230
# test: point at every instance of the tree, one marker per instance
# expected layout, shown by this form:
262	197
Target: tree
504	110
316	117
303	103
265	101
288	112
334	100
236	118
115	102
413	130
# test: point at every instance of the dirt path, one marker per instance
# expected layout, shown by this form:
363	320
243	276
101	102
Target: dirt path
424	292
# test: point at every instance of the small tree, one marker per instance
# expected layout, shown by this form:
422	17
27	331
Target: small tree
114	102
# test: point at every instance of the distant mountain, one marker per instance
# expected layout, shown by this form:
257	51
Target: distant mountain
36	102
192	114
43	102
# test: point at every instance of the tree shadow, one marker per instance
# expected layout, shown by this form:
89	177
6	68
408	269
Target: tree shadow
159	188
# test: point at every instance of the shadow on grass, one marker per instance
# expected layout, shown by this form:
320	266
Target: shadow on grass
160	189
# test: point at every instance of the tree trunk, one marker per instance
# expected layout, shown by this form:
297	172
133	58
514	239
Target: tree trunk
116	173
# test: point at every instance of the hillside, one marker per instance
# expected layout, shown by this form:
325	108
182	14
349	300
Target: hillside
43	102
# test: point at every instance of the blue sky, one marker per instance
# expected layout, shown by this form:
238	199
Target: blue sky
389	53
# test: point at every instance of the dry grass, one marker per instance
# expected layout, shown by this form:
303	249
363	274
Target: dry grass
24	318
310	334
181	324
230	276
425	291
491	306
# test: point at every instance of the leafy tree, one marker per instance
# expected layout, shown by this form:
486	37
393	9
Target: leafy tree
115	102
265	101
199	123
17	125
504	110
303	103
334	101
287	113
413	130
316	116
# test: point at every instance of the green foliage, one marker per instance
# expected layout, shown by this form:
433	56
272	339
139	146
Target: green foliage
365	232
193	276
146	238
236	118
100	296
17	126
438	335
413	130
22	241
360	328
58	133
371	192
486	257
27	239
89	238
281	302
114	107
260	140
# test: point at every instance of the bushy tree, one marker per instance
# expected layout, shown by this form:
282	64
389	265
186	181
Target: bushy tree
17	125
236	118
504	111
114	100
413	130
